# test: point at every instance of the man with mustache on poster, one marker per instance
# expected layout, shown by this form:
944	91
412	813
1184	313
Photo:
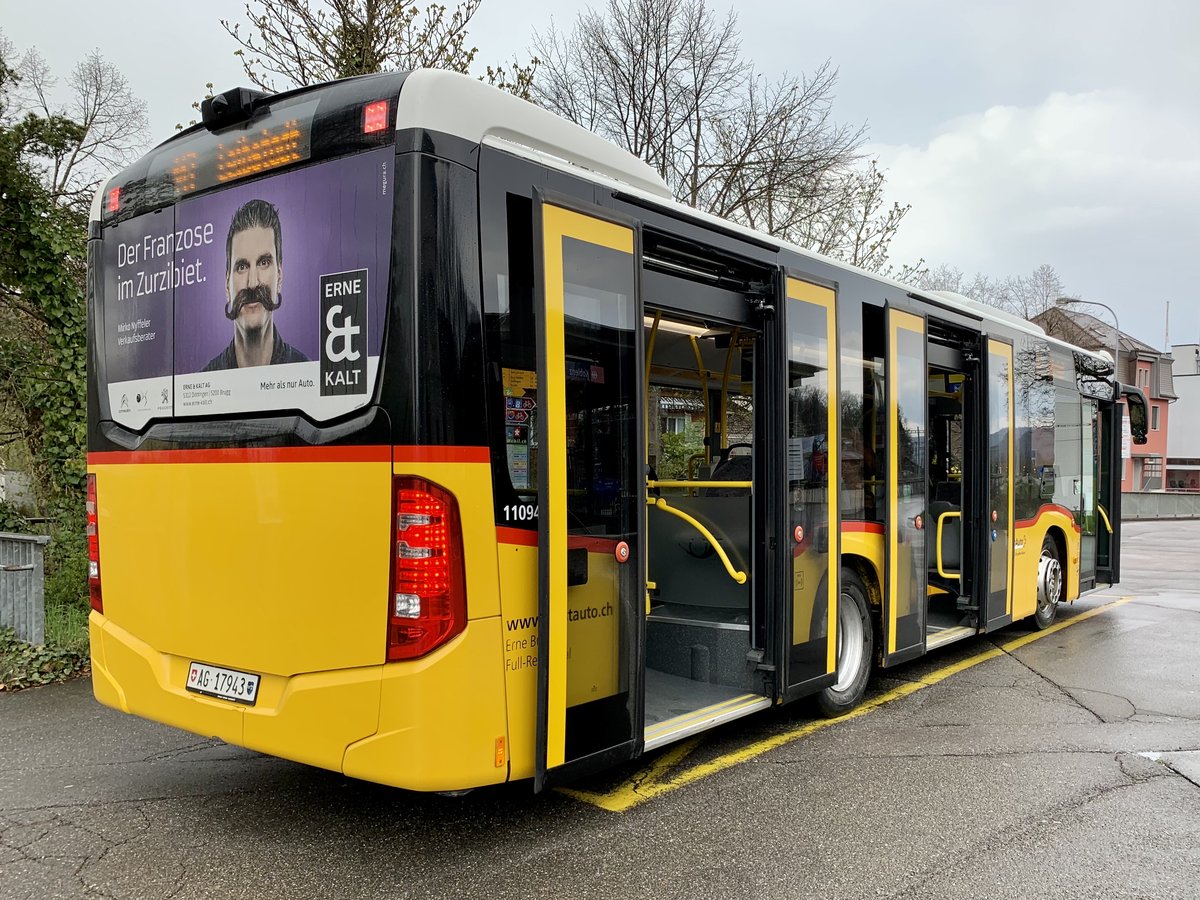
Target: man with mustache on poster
253	285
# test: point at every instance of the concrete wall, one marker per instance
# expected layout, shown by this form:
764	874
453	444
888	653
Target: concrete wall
1159	505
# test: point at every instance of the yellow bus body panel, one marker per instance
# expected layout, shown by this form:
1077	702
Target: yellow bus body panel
441	718
267	567
323	533
1027	552
593	644
307	718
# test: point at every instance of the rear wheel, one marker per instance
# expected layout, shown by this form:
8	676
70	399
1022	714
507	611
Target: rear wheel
1050	584
855	648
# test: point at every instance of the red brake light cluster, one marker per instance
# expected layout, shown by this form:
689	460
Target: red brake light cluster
114	200
93	543
375	116
429	602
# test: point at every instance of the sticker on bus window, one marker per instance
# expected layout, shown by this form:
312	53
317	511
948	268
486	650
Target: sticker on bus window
267	295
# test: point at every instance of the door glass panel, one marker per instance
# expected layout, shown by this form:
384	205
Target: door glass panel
812	431
1000	501
585	451
908	386
1089	478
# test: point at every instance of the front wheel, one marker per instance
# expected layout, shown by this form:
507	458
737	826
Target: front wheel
855	648
1050	584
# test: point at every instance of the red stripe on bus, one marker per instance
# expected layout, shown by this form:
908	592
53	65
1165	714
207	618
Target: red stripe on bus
869	527
1046	508
442	454
242	455
523	538
591	544
516	536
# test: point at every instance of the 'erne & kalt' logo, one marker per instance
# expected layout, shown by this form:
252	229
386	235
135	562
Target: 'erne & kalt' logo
344	333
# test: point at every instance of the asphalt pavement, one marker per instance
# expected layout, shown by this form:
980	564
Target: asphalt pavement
1003	767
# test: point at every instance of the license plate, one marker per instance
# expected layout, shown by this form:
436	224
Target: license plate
228	684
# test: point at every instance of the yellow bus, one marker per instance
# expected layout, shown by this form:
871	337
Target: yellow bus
432	442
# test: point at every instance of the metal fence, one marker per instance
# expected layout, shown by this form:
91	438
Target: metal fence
22	577
1159	505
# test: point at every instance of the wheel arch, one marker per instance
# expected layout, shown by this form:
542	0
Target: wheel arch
870	576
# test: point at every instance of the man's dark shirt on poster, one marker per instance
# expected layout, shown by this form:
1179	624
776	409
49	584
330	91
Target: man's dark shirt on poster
280	353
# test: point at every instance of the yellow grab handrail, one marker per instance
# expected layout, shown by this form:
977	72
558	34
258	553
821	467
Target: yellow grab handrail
942	521
695	457
703	374
660	503
698	484
649	361
733	342
1104	516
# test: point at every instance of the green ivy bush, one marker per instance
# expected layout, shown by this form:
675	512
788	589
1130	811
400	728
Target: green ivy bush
25	665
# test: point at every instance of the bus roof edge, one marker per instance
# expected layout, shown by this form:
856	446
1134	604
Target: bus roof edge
463	106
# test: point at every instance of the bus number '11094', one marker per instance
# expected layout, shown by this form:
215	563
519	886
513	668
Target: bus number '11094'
520	512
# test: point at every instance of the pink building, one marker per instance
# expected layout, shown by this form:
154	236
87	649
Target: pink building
1141	365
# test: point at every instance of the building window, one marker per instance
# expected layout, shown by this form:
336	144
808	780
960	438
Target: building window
678	424
1154	418
1152	473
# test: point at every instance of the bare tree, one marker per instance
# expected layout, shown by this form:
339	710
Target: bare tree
666	80
288	43
1029	295
977	287
112	123
1023	295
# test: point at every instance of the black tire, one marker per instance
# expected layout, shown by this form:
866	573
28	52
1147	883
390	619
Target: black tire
854	621
1050	582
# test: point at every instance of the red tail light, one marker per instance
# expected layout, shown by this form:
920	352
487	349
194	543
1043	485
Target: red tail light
429	597
375	116
93	542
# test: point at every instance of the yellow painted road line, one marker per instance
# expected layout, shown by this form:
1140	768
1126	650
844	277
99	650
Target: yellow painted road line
654	781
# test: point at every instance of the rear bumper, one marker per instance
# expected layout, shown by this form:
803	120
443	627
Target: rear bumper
430	724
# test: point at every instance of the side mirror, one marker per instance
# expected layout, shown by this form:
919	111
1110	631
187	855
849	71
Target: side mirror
1135	401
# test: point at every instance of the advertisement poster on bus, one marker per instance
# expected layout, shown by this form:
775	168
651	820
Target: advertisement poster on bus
138	320
268	295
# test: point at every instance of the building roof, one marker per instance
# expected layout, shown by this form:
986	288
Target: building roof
1084	330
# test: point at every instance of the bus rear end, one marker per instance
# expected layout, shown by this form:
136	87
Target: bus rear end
273	563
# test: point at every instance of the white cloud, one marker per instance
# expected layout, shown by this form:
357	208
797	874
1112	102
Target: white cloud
1104	185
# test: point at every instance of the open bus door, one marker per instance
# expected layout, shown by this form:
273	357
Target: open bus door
904	598
1114	446
589	437
998	509
811	618
1109	427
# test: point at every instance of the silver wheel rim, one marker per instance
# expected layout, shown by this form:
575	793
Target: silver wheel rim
1049	583
850	639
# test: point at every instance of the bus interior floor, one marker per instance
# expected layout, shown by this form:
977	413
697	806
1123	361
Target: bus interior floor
942	613
671	696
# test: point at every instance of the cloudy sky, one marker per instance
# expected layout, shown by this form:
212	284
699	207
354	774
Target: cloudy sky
1022	132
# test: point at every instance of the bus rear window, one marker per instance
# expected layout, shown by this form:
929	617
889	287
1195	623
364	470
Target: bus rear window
266	295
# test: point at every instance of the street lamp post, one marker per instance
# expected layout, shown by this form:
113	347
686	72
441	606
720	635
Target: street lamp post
1071	301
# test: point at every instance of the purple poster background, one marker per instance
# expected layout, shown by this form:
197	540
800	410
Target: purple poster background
137	326
334	217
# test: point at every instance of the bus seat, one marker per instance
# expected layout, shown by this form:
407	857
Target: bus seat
736	468
948	492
